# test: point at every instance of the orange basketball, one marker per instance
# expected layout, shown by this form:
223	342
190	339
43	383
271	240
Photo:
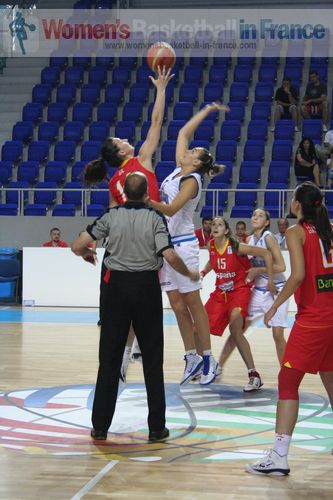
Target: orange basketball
161	54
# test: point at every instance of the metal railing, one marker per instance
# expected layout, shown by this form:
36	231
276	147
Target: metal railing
26	195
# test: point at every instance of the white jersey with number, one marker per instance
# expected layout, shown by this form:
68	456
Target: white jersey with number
181	223
262	280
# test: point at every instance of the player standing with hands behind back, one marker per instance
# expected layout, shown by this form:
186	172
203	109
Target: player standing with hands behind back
309	348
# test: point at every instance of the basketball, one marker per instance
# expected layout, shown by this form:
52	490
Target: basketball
161	54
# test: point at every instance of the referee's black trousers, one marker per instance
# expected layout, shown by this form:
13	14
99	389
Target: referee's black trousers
131	297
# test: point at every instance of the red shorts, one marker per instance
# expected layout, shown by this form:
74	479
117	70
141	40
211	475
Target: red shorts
220	306
314	109
309	349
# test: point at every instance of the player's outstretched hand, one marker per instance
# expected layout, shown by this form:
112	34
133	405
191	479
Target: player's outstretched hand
163	77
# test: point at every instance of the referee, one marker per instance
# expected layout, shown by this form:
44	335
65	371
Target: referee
138	241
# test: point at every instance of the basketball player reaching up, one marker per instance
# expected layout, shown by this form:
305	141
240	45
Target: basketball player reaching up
116	152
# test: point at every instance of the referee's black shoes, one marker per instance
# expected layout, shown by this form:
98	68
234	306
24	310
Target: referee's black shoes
155	436
98	435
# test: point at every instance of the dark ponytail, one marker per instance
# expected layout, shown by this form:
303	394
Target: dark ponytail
311	199
96	171
207	163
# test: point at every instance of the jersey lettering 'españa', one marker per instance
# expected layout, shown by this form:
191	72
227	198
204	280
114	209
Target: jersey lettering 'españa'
116	185
229	267
314	297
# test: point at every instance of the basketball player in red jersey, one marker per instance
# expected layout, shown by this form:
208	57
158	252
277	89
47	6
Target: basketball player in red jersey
117	152
228	304
309	348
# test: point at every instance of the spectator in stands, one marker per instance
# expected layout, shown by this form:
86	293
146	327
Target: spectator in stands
315	100
240	233
204	233
306	161
286	103
55	239
325	152
283	225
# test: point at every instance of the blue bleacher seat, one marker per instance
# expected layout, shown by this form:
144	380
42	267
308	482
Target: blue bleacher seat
50	76
97	75
254	150
48	131
312	129
90	93
274	201
294	73
193	74
218	74
23	131
32	112
239	91
58	61
163	169
216	198
174	128
64	151
199	143
257	129
55	171
261	111
138	147
128	61
90	150
198	58
64	210
104	59
132	111
226	176
66	93
57	112
28	171
241	212
74	75
282	150
38	151
168	151
279	172
73	131
243	73
114	93
250	171
205	131
45	193
72	197
41	93
100	197
95	210
13	196
82	112
188	92
264	92
77	169
35	209
139	92
81	59
12	151
107	112
121	75
99	131
183	111
6	172
284	129
246	198
237	111
8	209
226	150
213	92
125	130
267	73
231	130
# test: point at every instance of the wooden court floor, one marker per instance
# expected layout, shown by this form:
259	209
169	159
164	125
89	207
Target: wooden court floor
48	364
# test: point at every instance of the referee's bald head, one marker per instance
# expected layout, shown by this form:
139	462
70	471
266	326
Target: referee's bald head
136	186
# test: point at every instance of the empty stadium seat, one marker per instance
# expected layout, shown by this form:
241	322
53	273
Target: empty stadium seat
57	112
66	93
55	171
99	131
132	111
205	131
23	131
74	75
257	129
279	172
188	92
50	76
282	150
218	74
38	151
174	128
114	93
12	151
250	171
6	172
261	111
125	130
254	150
90	93
183	111
239	91
28	171
312	129
90	150
45	193
213	92
139	92
41	93
64	151
82	112
107	112
121	75
48	131
226	150
168	151
97	75
36	209
32	112
284	129
73	131
72	193
264	91
64	210
237	111
20	189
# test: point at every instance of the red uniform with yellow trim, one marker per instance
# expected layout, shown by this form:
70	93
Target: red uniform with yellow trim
232	291
117	181
310	344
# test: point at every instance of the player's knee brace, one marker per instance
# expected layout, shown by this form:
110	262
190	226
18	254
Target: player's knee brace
289	382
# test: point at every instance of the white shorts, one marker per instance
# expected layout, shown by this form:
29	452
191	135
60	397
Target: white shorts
170	279
261	301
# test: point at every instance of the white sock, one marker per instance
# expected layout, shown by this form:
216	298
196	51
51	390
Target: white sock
281	444
208	352
250	370
191	351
